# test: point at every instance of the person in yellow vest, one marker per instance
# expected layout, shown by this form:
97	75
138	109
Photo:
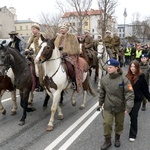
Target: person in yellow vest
138	52
127	54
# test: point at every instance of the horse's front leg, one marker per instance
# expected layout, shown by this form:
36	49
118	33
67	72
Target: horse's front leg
2	109
99	77
73	98
15	107
84	99
24	104
30	101
54	107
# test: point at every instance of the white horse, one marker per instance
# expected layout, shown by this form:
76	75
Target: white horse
56	80
102	56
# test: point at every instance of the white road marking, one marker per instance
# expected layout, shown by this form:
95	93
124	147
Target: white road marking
65	133
7	99
79	131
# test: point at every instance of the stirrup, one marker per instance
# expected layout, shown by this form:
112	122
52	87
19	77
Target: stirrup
74	85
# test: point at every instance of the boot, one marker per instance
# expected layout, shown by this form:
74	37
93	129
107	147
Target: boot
106	144
143	107
39	89
74	85
117	140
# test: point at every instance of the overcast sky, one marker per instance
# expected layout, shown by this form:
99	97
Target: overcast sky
32	8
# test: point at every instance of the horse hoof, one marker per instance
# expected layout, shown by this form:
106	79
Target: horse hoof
4	112
60	117
13	112
33	109
50	128
82	107
73	104
21	123
30	103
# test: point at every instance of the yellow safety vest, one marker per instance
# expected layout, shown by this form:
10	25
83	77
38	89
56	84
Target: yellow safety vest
138	53
128	52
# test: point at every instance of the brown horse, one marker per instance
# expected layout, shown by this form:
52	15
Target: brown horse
84	54
7	83
23	76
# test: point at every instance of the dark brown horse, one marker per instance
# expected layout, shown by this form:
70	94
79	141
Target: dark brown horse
84	54
23	76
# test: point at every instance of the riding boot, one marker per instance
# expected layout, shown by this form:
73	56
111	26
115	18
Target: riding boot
74	83
117	140
39	88
107	143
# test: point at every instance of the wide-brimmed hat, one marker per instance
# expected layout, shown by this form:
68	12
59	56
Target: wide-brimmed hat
36	25
13	33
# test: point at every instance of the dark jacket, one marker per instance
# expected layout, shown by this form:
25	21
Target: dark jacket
141	89
146	70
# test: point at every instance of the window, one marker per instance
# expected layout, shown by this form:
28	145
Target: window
86	23
26	27
92	30
20	27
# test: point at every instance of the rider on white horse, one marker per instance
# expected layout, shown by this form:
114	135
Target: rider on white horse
68	44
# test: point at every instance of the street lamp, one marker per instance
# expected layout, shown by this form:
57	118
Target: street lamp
125	15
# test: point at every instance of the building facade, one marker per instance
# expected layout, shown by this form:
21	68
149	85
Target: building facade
6	22
91	21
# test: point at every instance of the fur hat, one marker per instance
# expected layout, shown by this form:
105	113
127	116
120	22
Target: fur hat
108	31
13	33
36	25
65	26
99	36
113	62
86	31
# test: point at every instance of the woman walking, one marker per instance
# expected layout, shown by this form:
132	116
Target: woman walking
140	88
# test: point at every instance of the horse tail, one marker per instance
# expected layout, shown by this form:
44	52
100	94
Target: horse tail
90	89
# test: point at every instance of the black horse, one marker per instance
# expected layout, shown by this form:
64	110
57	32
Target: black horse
24	76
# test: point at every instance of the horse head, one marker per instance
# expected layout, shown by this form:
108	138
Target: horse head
100	51
6	59
46	51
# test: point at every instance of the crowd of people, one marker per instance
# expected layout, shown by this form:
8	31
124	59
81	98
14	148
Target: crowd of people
119	93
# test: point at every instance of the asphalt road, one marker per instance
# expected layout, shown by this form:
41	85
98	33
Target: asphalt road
79	130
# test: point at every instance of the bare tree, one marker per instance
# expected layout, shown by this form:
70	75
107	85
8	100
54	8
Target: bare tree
75	8
141	29
108	8
50	24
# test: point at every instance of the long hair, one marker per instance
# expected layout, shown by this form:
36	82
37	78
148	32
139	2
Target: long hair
134	77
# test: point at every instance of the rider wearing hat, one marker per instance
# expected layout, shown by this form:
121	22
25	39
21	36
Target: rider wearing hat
33	45
69	48
108	42
88	43
16	41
